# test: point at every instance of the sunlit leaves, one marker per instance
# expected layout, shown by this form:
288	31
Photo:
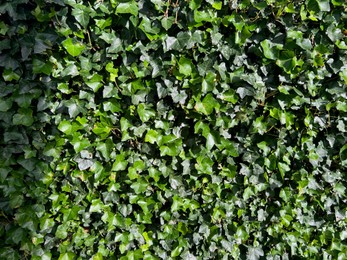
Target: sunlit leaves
145	112
229	96
130	7
74	48
81	14
185	66
271	50
120	163
207	105
167	22
158	129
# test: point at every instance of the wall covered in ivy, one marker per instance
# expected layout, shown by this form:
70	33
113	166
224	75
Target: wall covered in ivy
177	129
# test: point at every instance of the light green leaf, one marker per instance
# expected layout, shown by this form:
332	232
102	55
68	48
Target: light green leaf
217	5
202	16
152	136
120	164
61	233
96	206
167	22
79	143
65	126
230	96
271	50
145	112
324	5
95	82
185	66
98	256
283	168
139	186
128	8
172	149
3	28
210	141
67	256
74	48
207	105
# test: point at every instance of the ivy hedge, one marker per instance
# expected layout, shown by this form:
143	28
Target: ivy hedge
173	129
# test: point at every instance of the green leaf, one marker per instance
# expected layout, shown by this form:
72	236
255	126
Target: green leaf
95	82
172	149
121	163
3	28
61	232
5	105
283	168
167	22
81	15
98	256
152	136
23	117
139	186
230	96
42	67
177	251
79	143
67	256
217	5
128	8
105	148
202	16
17	235
73	47
343	155
207	105
102	23
185	66
66	127
145	112
271	50
96	206
324	5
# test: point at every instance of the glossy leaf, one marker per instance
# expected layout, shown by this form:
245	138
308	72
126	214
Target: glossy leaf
74	48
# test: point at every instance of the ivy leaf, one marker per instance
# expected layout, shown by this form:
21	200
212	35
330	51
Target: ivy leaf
120	163
271	50
5	105
23	117
42	67
343	155
81	14
207	105
185	66
139	186
230	96
67	256
145	112
128	8
152	136
95	82
74	48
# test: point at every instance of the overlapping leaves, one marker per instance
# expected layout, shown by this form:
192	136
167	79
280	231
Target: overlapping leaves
152	129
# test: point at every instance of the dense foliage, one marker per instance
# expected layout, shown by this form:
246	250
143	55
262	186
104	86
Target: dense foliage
173	129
